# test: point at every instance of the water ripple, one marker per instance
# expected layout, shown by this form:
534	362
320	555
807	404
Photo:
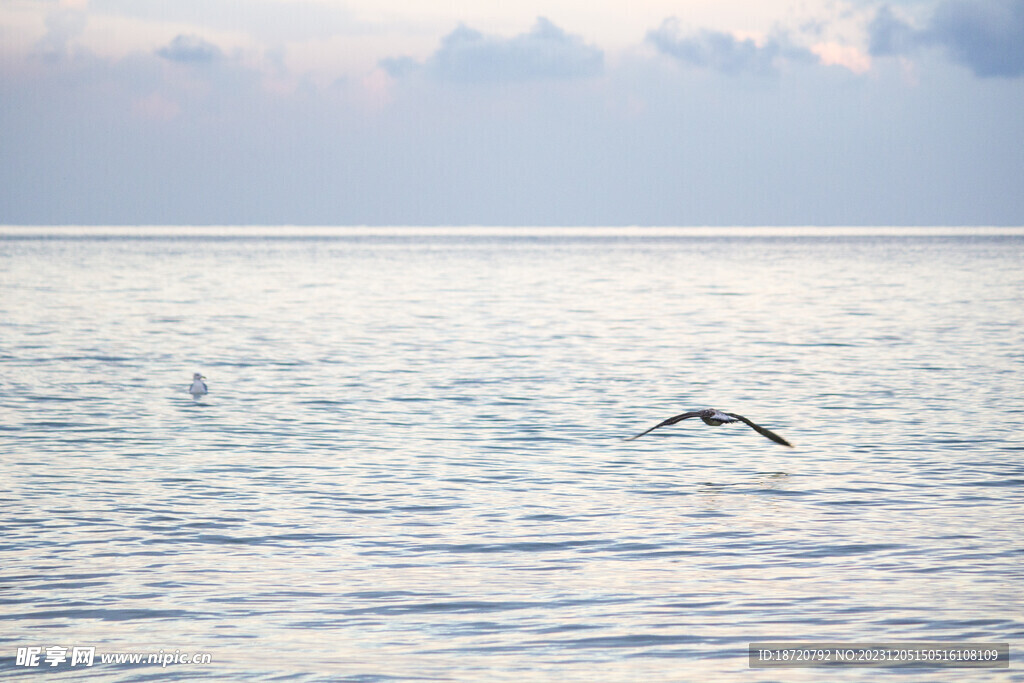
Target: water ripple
410	463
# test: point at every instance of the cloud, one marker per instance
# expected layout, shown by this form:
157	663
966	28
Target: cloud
62	26
187	49
889	35
985	37
845	56
398	67
546	52
724	52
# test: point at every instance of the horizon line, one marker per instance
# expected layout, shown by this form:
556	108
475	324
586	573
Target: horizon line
257	230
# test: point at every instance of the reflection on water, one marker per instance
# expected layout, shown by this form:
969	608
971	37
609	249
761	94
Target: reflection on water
410	462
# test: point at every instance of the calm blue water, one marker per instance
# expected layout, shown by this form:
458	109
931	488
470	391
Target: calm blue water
410	463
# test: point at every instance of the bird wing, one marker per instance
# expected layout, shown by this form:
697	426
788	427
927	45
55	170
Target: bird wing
761	430
670	421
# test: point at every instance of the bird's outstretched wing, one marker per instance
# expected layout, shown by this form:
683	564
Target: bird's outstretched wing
670	421
761	430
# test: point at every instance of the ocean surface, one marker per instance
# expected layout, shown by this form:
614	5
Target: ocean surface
410	464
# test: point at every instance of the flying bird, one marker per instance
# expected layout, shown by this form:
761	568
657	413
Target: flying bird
715	417
198	387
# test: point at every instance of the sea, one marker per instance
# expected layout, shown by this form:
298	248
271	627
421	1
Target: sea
412	462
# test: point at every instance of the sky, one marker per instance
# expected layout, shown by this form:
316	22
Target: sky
482	112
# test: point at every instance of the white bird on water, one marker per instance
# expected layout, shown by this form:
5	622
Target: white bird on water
714	417
198	387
